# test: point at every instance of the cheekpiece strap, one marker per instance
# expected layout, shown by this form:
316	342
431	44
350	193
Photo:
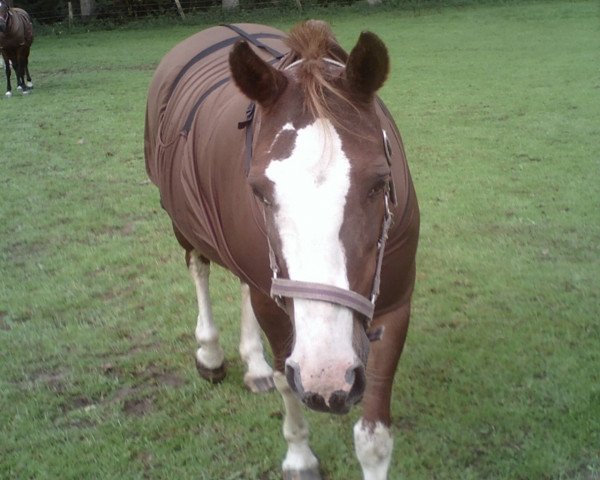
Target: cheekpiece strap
248	125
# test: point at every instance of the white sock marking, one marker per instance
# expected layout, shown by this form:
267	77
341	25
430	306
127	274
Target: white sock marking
299	456
251	347
210	354
373	446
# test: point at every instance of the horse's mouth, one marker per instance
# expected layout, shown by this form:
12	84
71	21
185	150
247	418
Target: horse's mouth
338	401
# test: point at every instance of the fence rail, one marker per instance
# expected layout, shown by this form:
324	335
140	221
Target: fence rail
46	12
49	12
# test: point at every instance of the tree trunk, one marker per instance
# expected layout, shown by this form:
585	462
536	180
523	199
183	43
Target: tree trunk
230	4
88	9
179	9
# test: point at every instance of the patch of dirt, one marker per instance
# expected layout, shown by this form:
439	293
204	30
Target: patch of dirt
3	323
158	377
139	400
76	403
77	423
25	250
138	406
586	471
124	393
20	317
151	375
115	293
145	458
54	381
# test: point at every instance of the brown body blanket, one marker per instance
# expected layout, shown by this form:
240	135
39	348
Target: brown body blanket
195	155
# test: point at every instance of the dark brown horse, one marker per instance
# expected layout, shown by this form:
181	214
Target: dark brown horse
275	159
16	37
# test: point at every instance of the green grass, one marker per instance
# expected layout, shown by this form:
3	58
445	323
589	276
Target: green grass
499	108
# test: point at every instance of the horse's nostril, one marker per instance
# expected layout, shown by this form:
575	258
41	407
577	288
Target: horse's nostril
355	376
314	401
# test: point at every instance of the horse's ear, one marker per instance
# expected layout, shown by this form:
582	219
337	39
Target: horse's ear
368	66
258	80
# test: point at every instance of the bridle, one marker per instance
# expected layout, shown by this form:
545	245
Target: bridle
282	288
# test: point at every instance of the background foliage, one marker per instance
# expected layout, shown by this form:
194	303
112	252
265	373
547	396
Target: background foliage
123	11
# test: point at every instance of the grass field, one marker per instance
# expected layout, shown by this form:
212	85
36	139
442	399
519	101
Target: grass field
500	112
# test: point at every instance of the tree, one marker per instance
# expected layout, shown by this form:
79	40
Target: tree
230	4
88	9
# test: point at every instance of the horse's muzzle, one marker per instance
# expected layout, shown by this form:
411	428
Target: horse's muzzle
339	401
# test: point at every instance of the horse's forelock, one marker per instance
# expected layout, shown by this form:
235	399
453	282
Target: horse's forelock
313	41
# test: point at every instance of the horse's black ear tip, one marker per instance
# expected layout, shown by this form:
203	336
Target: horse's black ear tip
368	65
366	36
239	48
372	42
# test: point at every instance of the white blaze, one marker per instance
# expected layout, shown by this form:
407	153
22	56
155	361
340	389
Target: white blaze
310	188
310	193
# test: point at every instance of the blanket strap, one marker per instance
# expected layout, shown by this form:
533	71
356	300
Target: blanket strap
253	40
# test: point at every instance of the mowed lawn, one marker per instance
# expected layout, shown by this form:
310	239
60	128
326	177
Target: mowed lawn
499	107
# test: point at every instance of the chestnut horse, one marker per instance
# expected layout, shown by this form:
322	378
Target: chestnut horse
16	37
275	159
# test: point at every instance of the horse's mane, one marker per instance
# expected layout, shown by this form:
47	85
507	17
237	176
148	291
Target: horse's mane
312	41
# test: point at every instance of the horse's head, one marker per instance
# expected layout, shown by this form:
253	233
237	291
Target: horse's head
4	15
320	169
4	12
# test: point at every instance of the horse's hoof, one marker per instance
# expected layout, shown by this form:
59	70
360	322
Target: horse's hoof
8	94
259	384
19	88
29	84
213	375
311	474
25	92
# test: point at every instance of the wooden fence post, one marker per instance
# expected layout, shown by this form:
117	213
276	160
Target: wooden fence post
88	9
70	14
179	9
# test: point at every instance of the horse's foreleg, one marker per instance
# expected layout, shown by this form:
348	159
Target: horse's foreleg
18	66
29	83
210	359
373	441
300	462
259	376
7	71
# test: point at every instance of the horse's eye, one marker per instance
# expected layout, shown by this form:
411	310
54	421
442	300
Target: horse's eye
379	187
264	200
